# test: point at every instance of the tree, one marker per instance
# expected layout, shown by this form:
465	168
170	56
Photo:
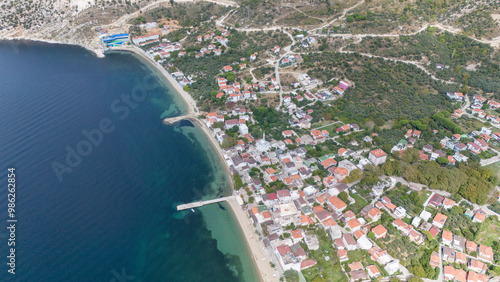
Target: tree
186	88
443	160
251	200
157	58
411	155
418	271
355	175
291	275
411	174
414	198
392	168
379	121
213	94
139	20
419	125
344	197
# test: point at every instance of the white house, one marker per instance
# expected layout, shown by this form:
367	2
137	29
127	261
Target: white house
377	156
392	267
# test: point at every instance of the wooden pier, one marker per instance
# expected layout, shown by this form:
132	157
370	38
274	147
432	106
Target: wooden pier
202	203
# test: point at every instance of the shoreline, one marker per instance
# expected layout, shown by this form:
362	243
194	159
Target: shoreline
98	51
191	105
254	246
261	259
190	102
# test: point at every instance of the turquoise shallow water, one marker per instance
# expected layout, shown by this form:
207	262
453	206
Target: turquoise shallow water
99	175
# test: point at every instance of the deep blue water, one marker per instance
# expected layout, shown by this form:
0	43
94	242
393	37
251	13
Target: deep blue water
113	208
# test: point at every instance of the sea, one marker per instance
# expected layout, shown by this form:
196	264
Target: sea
98	175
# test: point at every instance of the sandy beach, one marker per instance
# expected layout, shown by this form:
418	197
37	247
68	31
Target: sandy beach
193	110
189	101
260	257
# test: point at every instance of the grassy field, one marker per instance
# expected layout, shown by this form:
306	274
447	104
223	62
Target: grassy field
332	129
487	154
359	205
468	124
423	196
490	232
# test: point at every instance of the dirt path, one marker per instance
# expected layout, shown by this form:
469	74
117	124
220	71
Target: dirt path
304	13
401	61
360	36
339	17
288	51
125	18
495	42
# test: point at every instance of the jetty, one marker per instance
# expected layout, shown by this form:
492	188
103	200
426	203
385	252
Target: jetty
172	120
203	203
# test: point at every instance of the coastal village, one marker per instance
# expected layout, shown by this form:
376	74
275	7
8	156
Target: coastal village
319	212
302	188
329	198
310	219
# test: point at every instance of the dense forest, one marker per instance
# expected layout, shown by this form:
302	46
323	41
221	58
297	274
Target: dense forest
381	88
468	180
404	15
467	61
477	23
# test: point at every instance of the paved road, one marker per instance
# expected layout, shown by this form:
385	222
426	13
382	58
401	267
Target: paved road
485	209
467	104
